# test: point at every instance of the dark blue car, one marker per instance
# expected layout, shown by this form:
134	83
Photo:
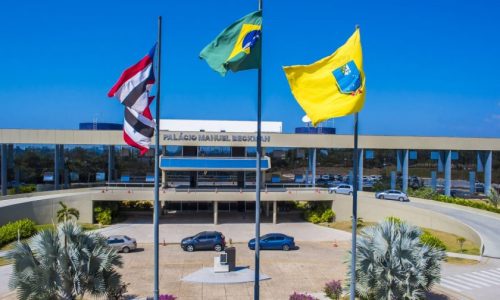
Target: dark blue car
206	240
274	241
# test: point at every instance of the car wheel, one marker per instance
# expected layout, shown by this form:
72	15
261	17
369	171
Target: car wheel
350	193
286	247
126	250
336	192
401	199
189	248
381	197
218	248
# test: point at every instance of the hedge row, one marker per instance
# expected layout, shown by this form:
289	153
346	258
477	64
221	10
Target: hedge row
429	194
8	232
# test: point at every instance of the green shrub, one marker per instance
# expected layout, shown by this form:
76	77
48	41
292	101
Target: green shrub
427	193
103	215
318	212
430	240
394	220
327	216
8	232
314	219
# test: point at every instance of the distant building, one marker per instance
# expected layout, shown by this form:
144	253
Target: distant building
100	126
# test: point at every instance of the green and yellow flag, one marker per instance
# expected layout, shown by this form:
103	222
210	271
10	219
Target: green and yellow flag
333	86
237	47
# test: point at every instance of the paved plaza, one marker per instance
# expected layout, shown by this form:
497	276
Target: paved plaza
238	227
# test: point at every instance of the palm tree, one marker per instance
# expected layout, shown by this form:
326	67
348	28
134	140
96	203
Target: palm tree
64	264
494	198
66	213
392	263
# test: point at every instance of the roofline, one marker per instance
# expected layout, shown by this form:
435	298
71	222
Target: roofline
235	139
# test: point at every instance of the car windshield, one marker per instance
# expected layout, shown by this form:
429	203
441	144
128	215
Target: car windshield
126	237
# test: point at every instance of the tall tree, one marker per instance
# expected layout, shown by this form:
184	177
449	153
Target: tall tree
392	262
65	213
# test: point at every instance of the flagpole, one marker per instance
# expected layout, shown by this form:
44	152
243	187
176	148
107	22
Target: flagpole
354	208
156	291
258	172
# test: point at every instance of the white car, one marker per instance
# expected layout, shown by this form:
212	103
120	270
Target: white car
345	189
392	195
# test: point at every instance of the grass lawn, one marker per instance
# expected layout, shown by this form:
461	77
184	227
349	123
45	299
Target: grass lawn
4	261
449	239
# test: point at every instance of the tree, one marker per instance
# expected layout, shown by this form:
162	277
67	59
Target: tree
392	262
64	264
494	198
66	213
461	241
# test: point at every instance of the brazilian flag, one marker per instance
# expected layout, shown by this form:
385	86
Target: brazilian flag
237	47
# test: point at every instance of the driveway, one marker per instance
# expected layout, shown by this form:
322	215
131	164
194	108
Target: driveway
5	272
487	226
238	227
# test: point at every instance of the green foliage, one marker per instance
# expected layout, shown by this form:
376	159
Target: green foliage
8	232
22	189
65	213
103	215
66	263
318	212
427	193
360	223
461	241
430	240
394	220
333	289
136	205
393	263
494	197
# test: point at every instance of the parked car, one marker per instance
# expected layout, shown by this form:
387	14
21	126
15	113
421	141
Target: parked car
325	177
392	195
122	243
461	194
274	241
206	240
341	189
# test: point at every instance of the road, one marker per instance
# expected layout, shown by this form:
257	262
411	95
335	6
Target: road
487	226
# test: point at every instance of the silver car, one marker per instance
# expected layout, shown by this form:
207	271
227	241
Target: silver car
392	195
341	189
122	243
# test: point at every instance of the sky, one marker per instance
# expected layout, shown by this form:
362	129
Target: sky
431	66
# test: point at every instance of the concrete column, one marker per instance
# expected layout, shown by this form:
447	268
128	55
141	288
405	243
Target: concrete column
57	157
275	212
309	165
487	172
405	170
111	162
399	157
441	160
314	167
472	182
434	180
267	209
480	162
447	172
163	178
4	169
351	178
393	180
360	169
216	213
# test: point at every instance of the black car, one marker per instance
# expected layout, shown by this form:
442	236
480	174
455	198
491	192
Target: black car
206	240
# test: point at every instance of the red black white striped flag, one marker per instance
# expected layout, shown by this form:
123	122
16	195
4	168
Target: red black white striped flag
132	89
